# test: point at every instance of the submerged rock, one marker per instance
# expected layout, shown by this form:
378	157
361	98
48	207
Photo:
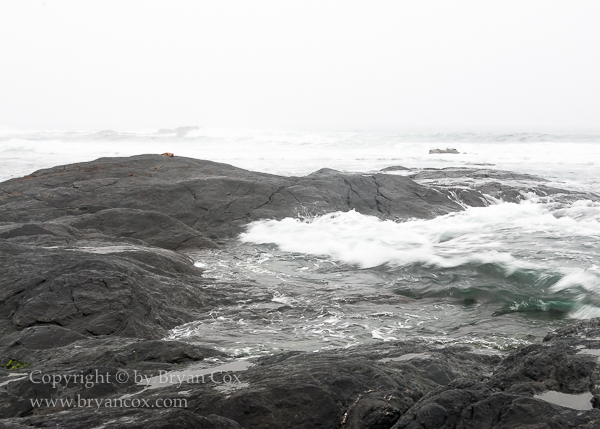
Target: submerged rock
499	184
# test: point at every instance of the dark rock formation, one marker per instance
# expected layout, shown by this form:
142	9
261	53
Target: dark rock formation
364	387
214	199
42	337
151	227
447	150
93	276
139	292
101	234
397	384
395	168
503	185
567	362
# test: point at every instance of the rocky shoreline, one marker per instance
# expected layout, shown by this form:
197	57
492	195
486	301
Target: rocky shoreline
95	273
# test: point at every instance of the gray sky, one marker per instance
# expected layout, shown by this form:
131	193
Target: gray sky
310	65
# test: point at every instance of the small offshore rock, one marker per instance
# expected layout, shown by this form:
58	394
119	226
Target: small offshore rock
447	150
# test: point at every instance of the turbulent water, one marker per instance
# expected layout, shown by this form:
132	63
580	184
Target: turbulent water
496	276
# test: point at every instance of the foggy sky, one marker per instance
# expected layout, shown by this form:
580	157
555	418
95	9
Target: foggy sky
307	65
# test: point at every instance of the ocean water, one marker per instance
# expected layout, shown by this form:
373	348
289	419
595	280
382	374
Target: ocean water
492	277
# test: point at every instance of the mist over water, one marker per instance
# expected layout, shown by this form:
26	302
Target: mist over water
496	276
570	159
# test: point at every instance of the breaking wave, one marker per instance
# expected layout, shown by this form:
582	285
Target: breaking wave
529	257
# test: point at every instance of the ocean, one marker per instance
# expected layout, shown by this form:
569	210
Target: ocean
493	278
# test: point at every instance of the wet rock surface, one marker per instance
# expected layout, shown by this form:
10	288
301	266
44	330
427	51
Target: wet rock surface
395	384
213	199
94	274
502	185
139	292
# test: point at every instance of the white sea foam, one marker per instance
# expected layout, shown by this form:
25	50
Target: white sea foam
583	210
477	235
580	278
585	312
